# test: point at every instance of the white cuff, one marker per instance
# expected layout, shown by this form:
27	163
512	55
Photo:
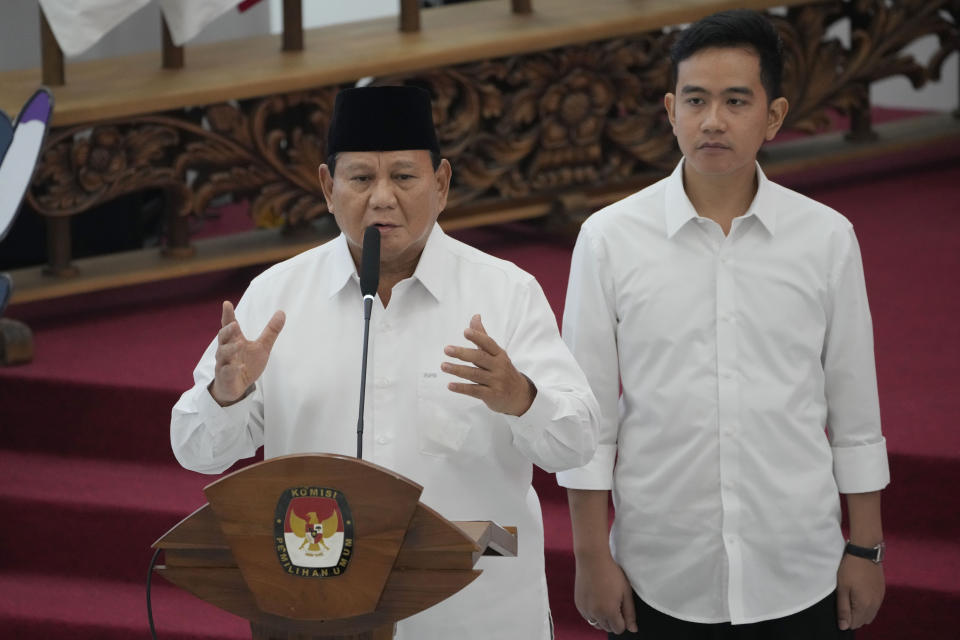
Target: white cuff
220	421
596	474
539	413
861	468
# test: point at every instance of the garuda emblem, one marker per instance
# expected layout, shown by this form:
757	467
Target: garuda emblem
313	532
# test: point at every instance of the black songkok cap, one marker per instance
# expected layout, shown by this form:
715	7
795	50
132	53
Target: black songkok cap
391	118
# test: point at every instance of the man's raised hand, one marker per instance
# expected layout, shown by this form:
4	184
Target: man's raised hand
240	361
495	380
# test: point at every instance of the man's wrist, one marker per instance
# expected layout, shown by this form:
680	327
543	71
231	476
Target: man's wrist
593	553
531	395
227	403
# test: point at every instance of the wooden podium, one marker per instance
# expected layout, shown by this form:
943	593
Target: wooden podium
324	546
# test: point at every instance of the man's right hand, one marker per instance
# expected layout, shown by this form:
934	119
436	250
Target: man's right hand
603	594
240	361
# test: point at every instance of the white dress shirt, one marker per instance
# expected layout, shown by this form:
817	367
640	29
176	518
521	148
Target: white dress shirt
749	396
474	464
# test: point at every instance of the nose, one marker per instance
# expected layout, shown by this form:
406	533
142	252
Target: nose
382	196
713	118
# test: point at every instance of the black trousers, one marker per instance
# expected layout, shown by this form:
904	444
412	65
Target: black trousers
818	622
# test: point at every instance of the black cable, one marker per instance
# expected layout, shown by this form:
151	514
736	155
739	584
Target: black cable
153	562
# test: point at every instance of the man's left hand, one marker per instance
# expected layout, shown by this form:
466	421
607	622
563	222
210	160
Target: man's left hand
495	380
860	589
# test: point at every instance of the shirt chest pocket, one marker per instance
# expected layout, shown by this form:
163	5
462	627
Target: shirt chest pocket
444	418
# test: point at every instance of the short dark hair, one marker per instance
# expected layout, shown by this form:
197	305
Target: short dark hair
435	159
735	28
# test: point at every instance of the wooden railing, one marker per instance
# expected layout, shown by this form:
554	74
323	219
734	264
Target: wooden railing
551	110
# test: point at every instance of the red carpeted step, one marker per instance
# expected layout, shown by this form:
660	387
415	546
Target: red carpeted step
73	418
79	517
908	510
48	605
34	606
910	612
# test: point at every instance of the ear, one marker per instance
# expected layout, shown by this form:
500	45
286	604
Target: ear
670	104
776	114
326	184
442	175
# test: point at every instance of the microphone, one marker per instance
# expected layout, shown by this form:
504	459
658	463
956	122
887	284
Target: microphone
369	281
370	267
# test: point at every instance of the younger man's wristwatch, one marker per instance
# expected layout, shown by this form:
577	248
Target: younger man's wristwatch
873	554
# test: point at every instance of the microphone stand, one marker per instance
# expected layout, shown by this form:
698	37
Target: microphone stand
367	309
369	279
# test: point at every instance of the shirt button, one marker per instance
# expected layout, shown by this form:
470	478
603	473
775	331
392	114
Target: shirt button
383	439
728	375
382	382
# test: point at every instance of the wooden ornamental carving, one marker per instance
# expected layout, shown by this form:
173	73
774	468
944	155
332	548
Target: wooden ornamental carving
821	73
268	149
580	115
82	167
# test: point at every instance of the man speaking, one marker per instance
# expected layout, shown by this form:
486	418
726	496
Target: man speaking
468	380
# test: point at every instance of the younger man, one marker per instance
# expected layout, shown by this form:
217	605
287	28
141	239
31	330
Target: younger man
733	312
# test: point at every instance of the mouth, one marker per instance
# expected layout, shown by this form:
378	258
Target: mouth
384	226
714	146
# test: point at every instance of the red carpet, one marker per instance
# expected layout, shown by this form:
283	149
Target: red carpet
87	480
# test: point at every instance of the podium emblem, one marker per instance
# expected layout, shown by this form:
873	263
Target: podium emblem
313	532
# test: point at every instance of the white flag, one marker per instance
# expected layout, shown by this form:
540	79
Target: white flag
79	24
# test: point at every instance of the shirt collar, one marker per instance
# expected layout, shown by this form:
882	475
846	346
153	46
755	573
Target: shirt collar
764	203
679	209
342	268
429	271
432	265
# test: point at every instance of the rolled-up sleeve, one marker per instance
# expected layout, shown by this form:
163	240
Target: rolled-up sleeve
853	409
589	329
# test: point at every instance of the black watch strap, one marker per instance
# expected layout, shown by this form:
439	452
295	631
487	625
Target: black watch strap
873	554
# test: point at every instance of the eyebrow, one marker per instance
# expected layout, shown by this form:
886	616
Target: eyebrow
691	88
357	165
364	165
